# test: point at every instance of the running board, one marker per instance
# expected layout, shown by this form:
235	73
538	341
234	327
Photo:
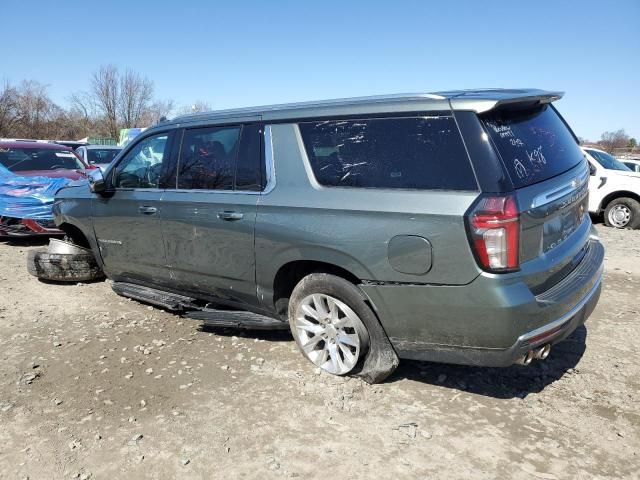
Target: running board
170	301
236	319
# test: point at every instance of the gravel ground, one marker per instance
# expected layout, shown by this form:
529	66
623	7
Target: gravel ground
95	386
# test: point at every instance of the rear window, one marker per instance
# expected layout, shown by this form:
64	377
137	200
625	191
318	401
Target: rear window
102	155
411	153
534	144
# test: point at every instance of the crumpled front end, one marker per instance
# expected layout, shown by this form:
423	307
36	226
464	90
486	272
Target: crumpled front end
25	204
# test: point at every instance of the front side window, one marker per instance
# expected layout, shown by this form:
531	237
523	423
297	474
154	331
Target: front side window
142	165
208	158
409	153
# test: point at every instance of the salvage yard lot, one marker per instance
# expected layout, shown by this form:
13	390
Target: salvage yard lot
93	385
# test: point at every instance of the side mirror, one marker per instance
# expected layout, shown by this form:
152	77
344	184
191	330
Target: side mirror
592	170
97	183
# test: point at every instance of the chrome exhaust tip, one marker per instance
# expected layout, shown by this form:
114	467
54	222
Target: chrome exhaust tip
542	352
526	359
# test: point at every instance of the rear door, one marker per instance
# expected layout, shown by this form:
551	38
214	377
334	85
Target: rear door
209	219
551	176
127	222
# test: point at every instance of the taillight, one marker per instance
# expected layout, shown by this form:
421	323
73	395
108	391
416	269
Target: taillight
494	226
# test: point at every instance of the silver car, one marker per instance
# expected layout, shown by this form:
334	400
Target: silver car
99	155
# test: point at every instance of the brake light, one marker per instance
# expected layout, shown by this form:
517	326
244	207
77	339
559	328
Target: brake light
494	226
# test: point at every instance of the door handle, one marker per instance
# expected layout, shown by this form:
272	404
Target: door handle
230	216
147	210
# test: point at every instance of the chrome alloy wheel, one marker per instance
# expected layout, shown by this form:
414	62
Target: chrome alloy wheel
619	215
329	333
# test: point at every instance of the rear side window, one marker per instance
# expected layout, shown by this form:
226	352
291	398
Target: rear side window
534	144
248	169
208	158
409	152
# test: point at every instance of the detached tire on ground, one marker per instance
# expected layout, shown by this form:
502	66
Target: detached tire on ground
336	329
63	267
622	212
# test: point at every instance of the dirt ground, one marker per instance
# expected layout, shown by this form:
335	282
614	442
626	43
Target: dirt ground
96	386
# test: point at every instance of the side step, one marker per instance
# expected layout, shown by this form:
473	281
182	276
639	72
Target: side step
236	319
170	301
188	307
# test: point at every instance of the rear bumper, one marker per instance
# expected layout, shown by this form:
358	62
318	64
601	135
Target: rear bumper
553	332
486	323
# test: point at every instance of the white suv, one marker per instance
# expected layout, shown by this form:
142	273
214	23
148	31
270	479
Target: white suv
614	189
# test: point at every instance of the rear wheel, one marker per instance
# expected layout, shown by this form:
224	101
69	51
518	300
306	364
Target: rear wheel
329	333
622	212
337	331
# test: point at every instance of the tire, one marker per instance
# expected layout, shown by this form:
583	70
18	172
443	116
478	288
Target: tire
622	212
336	329
63	267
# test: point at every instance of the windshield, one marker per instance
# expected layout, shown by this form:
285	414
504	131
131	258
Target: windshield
534	144
105	155
25	159
608	161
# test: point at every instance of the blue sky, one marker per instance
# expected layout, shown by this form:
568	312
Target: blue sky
246	53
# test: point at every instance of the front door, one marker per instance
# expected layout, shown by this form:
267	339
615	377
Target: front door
127	221
209	220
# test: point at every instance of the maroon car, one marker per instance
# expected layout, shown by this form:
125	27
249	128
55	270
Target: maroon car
37	159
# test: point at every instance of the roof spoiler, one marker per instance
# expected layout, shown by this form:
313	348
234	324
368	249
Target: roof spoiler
530	97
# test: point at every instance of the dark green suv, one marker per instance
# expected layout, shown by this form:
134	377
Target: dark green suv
450	227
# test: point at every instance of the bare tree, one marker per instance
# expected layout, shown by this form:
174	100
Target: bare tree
113	101
135	95
105	95
116	100
196	107
83	115
8	108
609	141
36	112
157	111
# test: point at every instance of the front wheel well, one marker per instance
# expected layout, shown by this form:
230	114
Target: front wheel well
617	194
290	274
75	234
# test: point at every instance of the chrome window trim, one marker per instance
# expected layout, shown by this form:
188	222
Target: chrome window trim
153	190
202	190
571	186
270	167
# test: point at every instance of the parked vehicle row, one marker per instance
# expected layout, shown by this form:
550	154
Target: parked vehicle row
449	227
46	162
